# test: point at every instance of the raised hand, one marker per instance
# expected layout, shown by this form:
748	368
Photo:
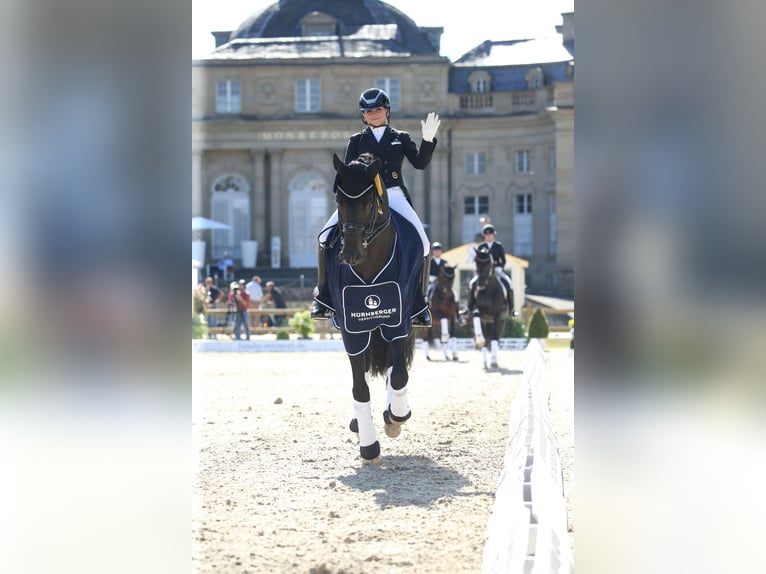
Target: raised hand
430	125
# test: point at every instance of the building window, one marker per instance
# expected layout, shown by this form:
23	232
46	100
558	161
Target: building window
318	24
480	82
392	88
522	161
228	97
230	203
476	205
522	225
534	79
475	164
307	96
523	203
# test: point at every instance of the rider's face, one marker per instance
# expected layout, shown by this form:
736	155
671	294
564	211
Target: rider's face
376	117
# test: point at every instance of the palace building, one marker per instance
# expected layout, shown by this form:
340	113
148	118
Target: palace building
279	95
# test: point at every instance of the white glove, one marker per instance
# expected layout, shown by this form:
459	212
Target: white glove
430	126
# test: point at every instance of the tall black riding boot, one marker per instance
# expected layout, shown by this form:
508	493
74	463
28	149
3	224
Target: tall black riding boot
509	297
320	306
424	319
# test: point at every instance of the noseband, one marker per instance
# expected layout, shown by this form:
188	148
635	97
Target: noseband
374	225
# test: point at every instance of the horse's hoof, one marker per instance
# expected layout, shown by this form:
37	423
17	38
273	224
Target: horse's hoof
353	426
428	358
393	424
370	453
493	365
454	358
376	461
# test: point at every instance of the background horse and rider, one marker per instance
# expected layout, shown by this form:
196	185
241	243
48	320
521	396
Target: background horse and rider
374	265
489	304
442	302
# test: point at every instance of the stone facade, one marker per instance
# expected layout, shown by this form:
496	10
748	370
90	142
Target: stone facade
505	146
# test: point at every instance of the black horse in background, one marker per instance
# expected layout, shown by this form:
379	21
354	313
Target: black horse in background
373	272
445	312
487	303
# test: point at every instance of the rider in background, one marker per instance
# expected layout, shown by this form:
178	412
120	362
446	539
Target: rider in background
497	251
436	264
391	147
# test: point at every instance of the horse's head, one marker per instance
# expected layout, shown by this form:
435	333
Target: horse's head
362	205
446	275
485	265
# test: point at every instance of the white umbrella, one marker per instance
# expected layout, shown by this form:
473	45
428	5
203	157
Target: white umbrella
200	223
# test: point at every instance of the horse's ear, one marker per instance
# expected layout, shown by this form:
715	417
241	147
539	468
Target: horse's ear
337	164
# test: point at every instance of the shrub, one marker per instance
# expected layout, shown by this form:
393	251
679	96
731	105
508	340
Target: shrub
199	327
513	328
303	324
538	325
283	336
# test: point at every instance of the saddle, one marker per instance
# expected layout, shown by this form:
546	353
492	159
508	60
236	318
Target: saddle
387	302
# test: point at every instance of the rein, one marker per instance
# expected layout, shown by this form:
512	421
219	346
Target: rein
373	227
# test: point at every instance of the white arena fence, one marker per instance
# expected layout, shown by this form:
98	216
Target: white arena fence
527	529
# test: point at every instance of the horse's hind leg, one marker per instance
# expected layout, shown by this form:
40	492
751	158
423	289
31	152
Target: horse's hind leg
369	447
495	345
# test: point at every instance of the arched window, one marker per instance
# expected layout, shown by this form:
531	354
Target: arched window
230	204
480	82
308	212
534	78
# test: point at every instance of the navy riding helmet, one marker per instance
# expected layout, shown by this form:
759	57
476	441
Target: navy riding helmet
374	98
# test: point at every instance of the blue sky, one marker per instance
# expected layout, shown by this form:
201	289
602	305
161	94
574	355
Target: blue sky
465	25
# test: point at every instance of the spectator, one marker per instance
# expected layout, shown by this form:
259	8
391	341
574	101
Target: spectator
199	300
239	299
255	291
273	296
225	265
214	295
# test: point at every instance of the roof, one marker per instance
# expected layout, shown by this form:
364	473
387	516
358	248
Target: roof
364	28
462	256
544	50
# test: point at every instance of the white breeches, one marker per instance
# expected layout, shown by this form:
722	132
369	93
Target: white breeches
398	202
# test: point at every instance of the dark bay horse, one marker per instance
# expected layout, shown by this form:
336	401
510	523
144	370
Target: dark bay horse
444	310
373	273
488	304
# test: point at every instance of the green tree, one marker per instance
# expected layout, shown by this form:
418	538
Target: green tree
538	325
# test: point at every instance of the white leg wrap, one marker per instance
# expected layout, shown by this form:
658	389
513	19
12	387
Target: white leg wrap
484	353
399	404
445	329
477	331
426	350
495	346
453	345
363	415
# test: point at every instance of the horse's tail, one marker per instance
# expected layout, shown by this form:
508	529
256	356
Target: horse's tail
381	357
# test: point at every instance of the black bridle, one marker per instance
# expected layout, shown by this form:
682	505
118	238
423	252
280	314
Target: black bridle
375	224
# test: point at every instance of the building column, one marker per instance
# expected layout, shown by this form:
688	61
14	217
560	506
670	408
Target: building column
258	214
197	199
278	197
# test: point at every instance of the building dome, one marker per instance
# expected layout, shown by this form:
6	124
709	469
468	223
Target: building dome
369	21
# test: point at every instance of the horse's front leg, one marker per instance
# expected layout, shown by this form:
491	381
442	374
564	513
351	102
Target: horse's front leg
478	330
398	410
369	447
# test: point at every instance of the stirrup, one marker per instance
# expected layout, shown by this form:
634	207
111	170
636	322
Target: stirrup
423	320
319	311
